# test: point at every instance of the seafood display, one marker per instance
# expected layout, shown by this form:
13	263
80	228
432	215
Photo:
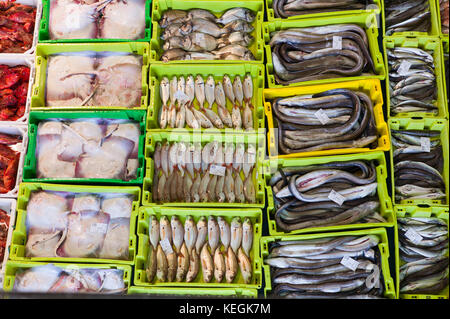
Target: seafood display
87	148
407	15
290	8
94	79
97	19
418	165
197	34
4	227
412	81
178	96
443	7
334	119
55	279
211	249
16	26
345	267
423	244
78	225
211	173
331	194
316	53
10	146
13	91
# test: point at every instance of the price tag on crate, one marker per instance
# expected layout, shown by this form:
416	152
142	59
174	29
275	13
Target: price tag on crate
337	42
218	170
322	117
350	263
413	236
336	197
425	144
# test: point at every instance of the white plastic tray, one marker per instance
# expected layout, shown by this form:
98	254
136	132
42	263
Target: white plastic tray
22	148
9	206
21	59
38	5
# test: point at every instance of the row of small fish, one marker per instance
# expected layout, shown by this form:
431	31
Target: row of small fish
412	81
190	172
199	34
418	165
290	8
305	197
316	53
178	96
407	15
318	268
423	244
215	245
334	119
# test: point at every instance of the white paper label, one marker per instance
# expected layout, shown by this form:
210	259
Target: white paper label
218	170
413	236
336	197
322	116
404	67
166	246
350	263
337	42
98	228
425	144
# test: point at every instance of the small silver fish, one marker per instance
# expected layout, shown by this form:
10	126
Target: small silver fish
202	119
238	159
213	233
239	189
236	234
238	90
200	90
247	236
228	88
165	229
229	186
225	232
154	231
202	232
190	233
195	196
219	265
210	91
249	189
220	194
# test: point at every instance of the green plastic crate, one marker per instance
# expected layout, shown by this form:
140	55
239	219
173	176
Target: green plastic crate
389	288
217	7
29	169
255	215
434	29
424	43
44	50
422	124
415	211
367	21
159	70
194	292
386	209
44	36
325	15
161	136
19	237
13	266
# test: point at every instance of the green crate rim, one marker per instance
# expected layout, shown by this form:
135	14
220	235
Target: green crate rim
428	123
383	247
440	78
415	211
194	292
12	266
386	208
39	85
143	243
44	28
372	35
161	135
258	52
29	169
204	70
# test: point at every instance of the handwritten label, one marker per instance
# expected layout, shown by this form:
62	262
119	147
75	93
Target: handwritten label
322	117
98	228
350	263
413	236
425	144
218	170
166	246
404	67
336	197
337	42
